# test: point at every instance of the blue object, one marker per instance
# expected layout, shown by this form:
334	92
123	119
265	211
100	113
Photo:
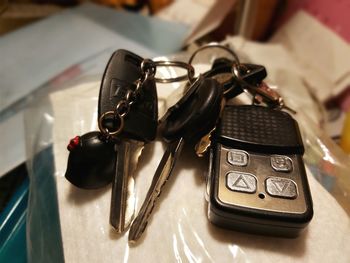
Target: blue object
162	36
13	226
44	230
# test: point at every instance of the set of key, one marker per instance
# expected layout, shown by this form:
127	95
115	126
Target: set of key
128	118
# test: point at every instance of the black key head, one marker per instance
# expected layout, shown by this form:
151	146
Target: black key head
195	114
121	73
252	73
91	161
221	62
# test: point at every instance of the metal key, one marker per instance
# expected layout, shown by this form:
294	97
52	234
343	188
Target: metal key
186	122
271	97
128	115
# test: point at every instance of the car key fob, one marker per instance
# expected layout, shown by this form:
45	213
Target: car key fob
257	181
120	76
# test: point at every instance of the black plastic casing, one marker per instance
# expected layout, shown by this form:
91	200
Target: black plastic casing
247	219
253	220
195	113
121	73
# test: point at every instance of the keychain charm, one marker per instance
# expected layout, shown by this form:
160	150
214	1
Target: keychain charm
91	161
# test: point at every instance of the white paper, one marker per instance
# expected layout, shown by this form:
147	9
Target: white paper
203	16
319	52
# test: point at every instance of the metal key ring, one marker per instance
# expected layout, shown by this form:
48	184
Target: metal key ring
235	71
179	64
104	130
247	87
214	45
237	74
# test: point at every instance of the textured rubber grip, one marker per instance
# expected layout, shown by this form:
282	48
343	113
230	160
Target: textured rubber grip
259	129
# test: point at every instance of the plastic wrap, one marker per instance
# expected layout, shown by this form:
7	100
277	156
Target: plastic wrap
44	243
71	224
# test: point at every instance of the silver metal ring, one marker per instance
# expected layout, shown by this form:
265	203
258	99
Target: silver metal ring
214	45
164	63
104	130
235	71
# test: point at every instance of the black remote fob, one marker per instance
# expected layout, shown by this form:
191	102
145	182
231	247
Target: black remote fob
257	181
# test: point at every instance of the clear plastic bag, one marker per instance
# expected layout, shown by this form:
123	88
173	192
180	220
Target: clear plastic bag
73	225
44	242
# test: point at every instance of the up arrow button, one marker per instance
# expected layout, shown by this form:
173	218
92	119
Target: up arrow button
241	182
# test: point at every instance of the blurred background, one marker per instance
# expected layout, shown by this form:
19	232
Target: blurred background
44	43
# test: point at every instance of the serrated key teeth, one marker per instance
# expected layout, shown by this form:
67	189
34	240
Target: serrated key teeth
118	227
136	230
123	198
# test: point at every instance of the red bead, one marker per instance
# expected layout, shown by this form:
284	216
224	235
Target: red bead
73	143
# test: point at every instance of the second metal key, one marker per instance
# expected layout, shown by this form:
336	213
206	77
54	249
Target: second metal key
190	119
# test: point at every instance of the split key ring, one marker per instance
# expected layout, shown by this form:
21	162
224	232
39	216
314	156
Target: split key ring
164	63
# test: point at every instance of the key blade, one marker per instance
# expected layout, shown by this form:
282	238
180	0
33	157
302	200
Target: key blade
161	176
271	97
123	199
204	143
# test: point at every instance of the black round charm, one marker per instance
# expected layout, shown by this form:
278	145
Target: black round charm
91	161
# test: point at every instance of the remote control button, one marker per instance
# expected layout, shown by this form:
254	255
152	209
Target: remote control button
241	182
281	163
238	158
281	187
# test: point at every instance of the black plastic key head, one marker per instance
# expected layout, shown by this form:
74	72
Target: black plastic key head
195	114
120	76
91	161
253	73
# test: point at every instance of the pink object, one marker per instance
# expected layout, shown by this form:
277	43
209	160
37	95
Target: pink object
345	100
334	14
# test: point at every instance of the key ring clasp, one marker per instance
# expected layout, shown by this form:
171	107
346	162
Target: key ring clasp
105	130
213	45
